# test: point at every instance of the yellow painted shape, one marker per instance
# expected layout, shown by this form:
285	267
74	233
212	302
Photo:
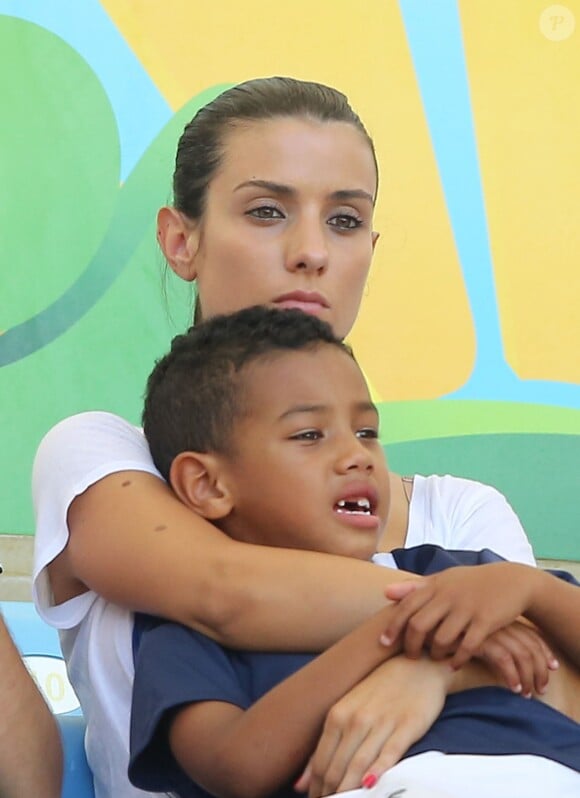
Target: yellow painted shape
523	60
414	337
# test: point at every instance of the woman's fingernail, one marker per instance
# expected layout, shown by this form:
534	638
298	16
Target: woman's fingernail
369	781
518	688
554	664
385	640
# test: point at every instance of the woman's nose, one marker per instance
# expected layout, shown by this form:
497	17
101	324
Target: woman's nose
307	248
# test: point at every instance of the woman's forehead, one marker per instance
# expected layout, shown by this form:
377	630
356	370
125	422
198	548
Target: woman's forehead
260	149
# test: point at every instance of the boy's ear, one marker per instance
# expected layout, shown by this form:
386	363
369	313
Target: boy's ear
197	480
178	238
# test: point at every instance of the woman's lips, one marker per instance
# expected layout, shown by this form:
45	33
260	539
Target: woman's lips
307	301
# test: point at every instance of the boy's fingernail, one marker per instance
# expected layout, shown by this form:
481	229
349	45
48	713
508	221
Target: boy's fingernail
369	781
385	640
518	688
554	664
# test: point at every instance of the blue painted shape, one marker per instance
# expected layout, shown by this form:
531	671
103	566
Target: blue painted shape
139	108
30	633
78	779
35	638
434	34
435	40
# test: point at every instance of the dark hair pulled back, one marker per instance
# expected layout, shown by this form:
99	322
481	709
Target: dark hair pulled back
200	147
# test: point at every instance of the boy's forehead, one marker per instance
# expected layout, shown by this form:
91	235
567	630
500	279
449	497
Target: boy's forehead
314	374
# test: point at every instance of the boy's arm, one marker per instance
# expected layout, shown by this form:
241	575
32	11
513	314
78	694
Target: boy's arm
232	752
555	609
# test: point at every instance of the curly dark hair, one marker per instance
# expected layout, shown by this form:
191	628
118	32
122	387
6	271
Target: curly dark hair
195	394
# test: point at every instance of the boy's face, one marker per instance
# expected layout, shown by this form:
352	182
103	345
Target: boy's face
307	469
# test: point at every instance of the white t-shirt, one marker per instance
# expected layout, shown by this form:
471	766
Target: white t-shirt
437	775
96	636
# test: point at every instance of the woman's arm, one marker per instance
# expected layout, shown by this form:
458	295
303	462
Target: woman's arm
30	749
106	521
133	542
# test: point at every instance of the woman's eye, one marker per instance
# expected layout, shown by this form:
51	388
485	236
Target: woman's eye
345	221
265	212
308	435
369	433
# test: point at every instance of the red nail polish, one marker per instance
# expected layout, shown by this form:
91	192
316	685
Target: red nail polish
369	781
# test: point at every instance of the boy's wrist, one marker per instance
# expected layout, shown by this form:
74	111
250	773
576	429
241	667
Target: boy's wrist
473	674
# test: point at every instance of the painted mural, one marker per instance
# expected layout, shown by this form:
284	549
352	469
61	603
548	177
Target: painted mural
470	328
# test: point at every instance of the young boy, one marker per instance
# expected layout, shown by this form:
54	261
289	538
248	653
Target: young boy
262	422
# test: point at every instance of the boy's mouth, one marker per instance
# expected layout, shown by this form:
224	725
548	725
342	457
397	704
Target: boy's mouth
355	506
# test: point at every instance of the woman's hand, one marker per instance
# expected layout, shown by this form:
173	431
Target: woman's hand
370	728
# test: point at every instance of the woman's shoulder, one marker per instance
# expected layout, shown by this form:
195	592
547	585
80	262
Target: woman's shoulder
98	422
459	513
85	447
447	488
92	430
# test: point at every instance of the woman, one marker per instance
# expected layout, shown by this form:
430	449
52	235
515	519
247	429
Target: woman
274	189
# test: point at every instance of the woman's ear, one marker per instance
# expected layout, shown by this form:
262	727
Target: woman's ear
375	238
178	238
197	480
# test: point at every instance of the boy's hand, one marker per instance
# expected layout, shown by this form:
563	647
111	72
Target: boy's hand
452	613
520	657
373	725
457	609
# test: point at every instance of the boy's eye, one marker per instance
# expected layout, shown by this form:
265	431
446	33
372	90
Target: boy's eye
307	435
265	212
368	433
345	221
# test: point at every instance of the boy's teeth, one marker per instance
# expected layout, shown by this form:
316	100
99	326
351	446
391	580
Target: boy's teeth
354	505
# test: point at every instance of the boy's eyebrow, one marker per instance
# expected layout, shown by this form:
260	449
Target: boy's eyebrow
341	195
302	409
361	407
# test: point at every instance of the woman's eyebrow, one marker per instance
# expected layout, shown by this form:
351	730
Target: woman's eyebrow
345	194
341	195
269	185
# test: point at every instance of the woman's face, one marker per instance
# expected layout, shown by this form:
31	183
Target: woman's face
288	221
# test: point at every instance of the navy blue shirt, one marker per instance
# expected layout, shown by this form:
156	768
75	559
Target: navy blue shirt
175	666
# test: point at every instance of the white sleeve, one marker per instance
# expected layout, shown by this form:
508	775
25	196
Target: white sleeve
73	455
464	514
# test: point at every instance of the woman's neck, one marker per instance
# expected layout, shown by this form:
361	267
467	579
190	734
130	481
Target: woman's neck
395	531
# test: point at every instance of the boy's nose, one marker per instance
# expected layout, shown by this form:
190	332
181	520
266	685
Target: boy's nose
355	457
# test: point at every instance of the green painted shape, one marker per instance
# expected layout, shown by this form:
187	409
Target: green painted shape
59	168
443	418
138	201
539	474
101	354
